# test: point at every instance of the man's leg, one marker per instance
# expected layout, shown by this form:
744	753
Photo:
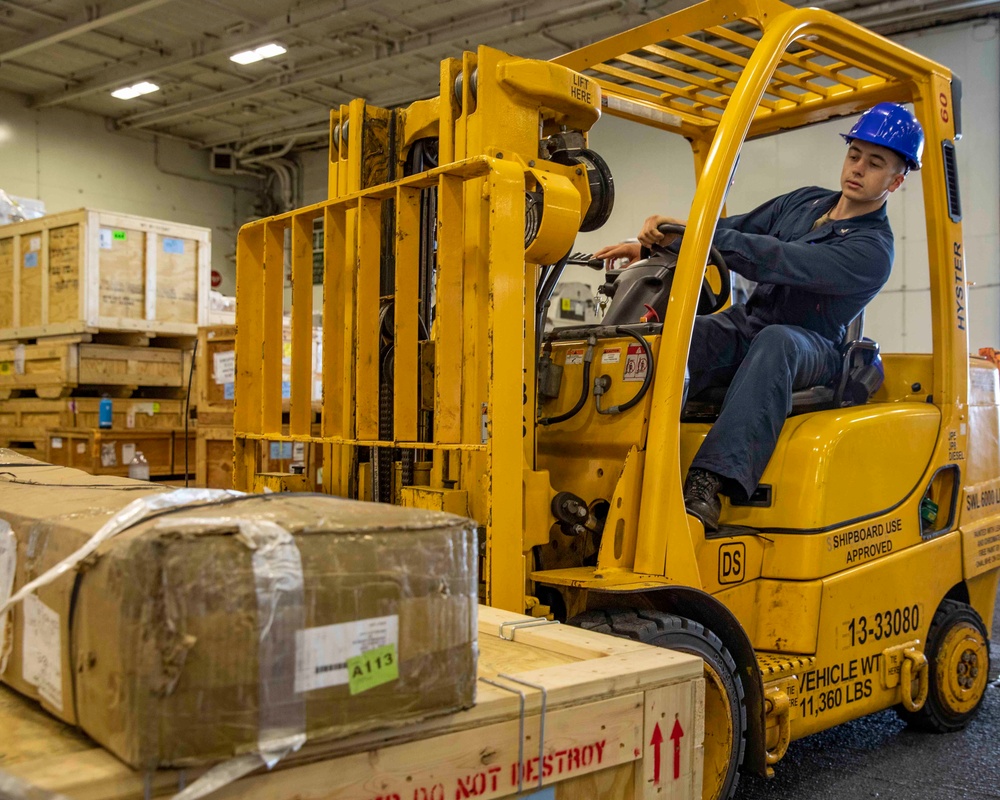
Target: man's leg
781	359
719	343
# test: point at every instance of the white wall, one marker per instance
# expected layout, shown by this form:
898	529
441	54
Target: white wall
654	174
70	160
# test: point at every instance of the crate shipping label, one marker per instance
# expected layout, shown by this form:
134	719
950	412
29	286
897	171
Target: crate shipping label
42	665
321	654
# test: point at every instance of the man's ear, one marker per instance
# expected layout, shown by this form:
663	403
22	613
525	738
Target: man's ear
897	181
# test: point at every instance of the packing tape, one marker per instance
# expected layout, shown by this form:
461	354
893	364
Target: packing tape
134	513
277	571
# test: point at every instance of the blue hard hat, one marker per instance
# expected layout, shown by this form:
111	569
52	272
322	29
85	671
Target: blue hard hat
891	125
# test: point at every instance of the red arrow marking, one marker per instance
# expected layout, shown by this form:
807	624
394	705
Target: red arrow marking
676	735
656	741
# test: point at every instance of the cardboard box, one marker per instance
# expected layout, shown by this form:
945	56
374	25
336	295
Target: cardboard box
202	630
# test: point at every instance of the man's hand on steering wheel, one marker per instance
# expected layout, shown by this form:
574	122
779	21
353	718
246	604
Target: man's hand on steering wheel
651	234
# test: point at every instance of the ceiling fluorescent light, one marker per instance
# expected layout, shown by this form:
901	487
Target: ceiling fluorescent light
269	50
129	92
246	57
264	51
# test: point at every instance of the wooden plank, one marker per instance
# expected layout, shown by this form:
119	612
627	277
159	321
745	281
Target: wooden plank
176	271
64	274
7	282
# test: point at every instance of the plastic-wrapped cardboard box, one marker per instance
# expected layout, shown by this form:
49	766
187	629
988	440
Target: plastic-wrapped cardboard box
232	623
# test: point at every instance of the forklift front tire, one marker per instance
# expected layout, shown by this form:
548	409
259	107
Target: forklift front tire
725	706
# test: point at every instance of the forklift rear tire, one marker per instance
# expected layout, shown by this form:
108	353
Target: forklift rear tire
725	709
959	661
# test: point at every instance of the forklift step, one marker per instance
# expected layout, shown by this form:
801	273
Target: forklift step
782	665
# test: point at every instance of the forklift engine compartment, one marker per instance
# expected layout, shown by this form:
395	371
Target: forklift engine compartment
858	577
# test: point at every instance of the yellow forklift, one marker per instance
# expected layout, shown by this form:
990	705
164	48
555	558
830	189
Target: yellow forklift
861	576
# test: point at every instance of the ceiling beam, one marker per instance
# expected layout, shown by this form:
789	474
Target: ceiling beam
91	18
482	26
195	50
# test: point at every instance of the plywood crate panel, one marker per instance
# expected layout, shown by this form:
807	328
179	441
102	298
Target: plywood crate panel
108	452
215	381
54	370
87	271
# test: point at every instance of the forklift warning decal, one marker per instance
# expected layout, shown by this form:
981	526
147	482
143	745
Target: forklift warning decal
636	363
866	542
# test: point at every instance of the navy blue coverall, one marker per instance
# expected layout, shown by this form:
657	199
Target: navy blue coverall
811	284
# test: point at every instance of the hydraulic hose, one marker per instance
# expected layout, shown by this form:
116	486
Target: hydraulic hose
588	356
647	381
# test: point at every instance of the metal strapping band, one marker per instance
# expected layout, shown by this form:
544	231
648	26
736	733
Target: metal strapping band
516	624
541	719
520	730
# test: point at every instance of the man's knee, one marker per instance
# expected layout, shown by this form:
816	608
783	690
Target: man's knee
775	344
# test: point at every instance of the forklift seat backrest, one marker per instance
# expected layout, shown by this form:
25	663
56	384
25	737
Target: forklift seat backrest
860	376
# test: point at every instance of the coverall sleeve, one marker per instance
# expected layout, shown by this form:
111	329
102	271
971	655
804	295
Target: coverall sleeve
844	265
761	220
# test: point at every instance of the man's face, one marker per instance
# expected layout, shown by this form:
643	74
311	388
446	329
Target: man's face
870	172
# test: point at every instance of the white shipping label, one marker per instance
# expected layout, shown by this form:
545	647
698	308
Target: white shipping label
35	243
130	418
19	360
81	447
611	355
574	356
128	453
104	238
636	363
8	563
298	451
42	654
56	442
224	367
321	653
109	455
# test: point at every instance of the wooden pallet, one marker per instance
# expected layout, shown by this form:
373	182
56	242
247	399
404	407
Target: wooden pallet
108	452
86	271
611	706
53	370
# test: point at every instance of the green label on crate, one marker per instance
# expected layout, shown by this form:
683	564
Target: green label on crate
372	668
5	367
118	236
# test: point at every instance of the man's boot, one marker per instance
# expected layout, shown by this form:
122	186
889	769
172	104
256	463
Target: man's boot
701	497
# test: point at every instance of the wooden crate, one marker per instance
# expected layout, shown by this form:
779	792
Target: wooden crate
108	452
610	709
56	369
29	413
214	457
86	271
216	373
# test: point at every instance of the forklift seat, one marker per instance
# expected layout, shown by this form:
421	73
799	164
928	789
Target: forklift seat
860	377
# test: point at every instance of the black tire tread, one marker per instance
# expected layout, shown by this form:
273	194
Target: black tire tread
644	625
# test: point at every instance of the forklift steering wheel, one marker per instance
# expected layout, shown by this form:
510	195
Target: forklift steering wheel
709	301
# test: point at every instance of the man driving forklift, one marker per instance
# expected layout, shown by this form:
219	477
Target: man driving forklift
818	258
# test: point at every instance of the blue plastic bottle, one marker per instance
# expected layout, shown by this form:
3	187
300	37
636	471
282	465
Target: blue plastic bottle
104	418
